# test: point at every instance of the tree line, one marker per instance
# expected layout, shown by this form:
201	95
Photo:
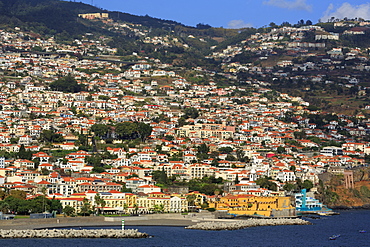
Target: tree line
15	202
124	131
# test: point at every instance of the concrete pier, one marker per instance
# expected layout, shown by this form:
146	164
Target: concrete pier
240	224
72	233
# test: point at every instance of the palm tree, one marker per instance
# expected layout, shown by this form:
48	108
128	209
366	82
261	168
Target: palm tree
68	210
86	207
159	208
43	190
99	202
136	209
125	207
191	201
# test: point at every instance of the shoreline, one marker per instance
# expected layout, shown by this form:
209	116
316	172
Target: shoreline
63	227
96	221
171	219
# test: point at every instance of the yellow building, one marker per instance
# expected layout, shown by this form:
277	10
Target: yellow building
254	205
162	202
115	202
73	202
195	200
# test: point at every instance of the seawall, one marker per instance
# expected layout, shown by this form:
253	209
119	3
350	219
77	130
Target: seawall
240	224
69	233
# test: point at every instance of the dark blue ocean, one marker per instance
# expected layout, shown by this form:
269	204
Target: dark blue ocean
347	224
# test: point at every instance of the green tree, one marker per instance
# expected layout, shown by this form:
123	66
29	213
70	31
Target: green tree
100	130
281	150
136	209
66	84
307	184
126	130
49	136
3	194
68	210
4	207
125	207
23	154
191	112
203	148
169	137
99	202
98	169
365	191
230	157
214	163
158	208
266	183
20	194
191	202
236	181
94	160
240	155
86	207
144	130
103	97
160	177
288	187
55	205
225	150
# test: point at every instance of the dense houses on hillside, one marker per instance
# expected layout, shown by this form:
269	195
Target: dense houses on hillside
238	134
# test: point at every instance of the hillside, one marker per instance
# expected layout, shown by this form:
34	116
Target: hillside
123	31
52	17
334	194
326	64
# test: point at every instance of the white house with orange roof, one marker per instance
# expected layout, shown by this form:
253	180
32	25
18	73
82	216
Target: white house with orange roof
45	166
353	146
43	157
25	140
148	188
78	154
286	176
24	163
120	152
189	158
74	165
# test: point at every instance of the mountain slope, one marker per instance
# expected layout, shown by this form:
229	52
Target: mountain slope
54	16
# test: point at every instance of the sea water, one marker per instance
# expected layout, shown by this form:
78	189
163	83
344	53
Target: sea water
348	225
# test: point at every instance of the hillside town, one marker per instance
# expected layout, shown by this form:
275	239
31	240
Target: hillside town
255	142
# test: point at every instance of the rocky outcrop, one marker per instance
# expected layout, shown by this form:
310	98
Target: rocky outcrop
240	224
71	233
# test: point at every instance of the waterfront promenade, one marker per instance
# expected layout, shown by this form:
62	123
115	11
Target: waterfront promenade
145	220
62	222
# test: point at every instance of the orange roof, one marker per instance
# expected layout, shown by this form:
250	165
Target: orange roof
43	182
